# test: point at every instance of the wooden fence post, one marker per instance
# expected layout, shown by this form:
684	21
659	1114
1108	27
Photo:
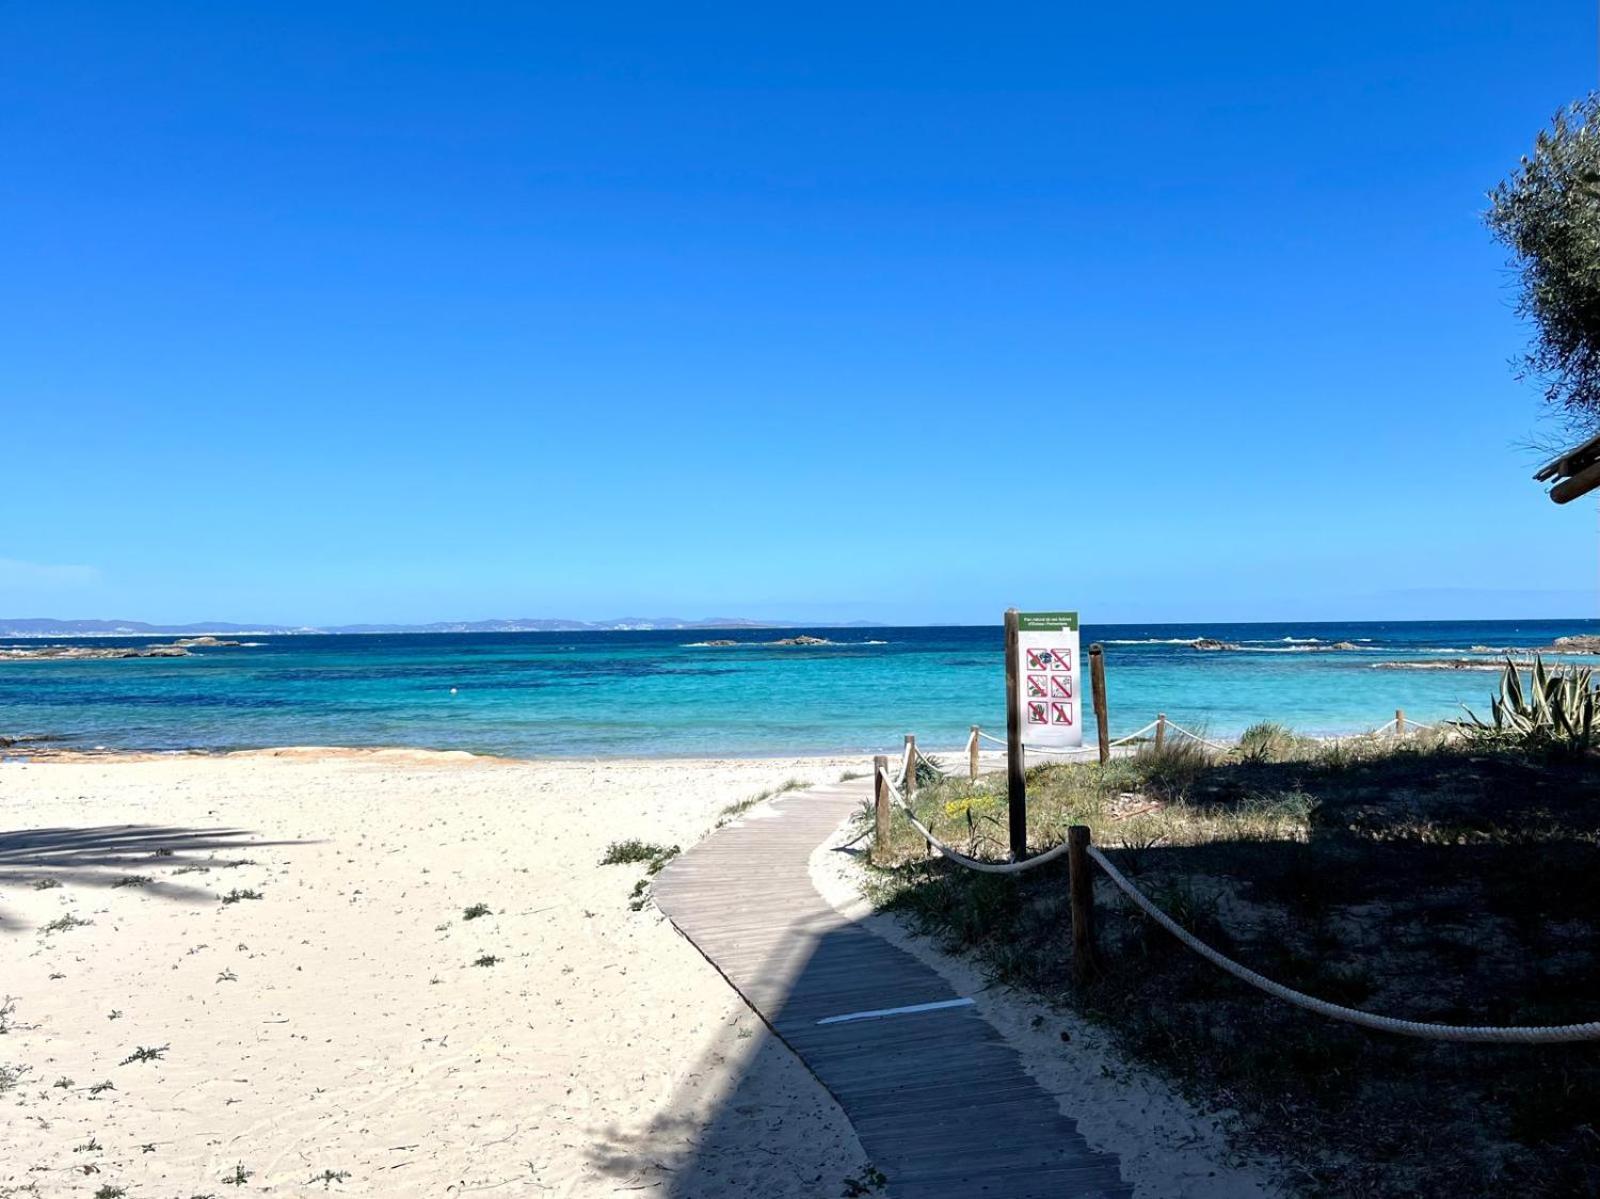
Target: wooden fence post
1161	729
1016	768
1097	683
1081	884
972	754
909	783
1399	722
880	809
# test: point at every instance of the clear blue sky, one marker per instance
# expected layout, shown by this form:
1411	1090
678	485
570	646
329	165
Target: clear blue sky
340	311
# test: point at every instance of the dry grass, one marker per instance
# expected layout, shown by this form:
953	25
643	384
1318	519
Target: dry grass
1428	880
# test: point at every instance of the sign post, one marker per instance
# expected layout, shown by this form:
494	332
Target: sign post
1042	701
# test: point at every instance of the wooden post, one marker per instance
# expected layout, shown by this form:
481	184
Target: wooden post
1161	729
1080	881
1399	722
909	783
972	754
1016	769
880	809
1097	683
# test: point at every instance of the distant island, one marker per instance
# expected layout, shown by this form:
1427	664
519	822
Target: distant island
18	627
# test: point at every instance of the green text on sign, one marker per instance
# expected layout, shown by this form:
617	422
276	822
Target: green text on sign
1046	622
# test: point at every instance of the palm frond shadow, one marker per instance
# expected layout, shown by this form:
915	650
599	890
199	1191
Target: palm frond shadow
106	855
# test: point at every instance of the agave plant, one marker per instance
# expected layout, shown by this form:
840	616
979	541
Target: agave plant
1556	711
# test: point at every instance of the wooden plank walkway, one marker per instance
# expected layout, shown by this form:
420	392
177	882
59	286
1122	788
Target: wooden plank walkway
939	1100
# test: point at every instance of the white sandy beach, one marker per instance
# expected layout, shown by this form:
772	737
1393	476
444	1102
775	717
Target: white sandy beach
334	1034
338	1024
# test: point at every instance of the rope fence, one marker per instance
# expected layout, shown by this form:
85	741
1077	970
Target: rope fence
1080	854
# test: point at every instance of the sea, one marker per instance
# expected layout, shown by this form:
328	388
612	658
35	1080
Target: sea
669	694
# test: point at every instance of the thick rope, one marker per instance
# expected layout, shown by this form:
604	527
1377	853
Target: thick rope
1549	1034
1181	731
956	855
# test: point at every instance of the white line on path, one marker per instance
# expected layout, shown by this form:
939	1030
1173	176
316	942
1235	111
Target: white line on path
896	1011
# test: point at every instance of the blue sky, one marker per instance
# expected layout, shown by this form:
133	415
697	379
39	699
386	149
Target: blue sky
342	312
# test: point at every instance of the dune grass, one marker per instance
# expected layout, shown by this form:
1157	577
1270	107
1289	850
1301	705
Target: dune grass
1429	879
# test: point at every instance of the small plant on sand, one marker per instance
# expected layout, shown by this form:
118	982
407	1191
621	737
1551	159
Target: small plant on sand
64	923
64	1083
110	1192
487	959
11	1076
133	880
46	884
739	807
476	910
871	1180
101	1087
238	1178
145	1054
236	895
632	850
8	1012
328	1177
89	1146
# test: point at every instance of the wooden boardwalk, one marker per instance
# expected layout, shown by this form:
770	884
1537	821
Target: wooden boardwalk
940	1102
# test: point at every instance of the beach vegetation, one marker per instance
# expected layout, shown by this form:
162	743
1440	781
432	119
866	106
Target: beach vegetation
633	850
487	960
8	1014
238	1176
146	1054
475	911
132	880
1444	877
63	924
328	1177
1547	213
1554	713
1268	741
869	1181
236	895
11	1076
110	1192
740	806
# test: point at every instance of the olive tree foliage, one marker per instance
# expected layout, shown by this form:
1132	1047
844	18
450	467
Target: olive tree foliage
1548	214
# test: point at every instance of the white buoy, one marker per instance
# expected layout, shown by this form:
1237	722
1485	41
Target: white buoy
452	691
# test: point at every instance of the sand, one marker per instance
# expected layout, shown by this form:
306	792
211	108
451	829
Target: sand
334	1034
281	937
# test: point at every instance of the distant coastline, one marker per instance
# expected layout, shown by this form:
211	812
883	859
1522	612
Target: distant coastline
20	628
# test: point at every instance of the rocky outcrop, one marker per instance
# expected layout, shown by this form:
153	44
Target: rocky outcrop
90	653
802	639
1583	644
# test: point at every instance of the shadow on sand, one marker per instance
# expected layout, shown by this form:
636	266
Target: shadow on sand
116	855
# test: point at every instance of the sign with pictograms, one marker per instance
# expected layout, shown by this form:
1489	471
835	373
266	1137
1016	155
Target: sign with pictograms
1047	651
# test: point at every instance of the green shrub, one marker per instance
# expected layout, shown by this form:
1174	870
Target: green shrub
1267	741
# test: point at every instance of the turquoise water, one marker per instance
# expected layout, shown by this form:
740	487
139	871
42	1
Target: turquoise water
658	693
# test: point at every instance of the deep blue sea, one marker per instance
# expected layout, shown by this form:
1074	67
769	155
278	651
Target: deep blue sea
658	693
